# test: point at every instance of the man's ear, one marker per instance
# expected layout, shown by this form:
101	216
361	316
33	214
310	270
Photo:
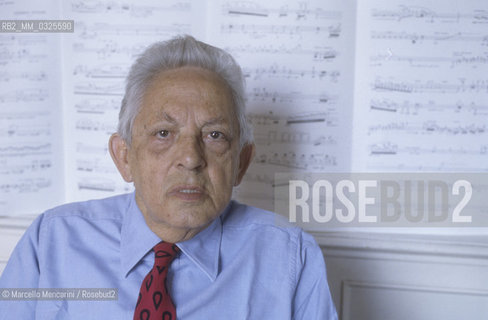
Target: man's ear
119	150
245	159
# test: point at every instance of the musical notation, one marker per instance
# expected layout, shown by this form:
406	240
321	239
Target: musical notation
94	125
25	186
90	88
415	71
429	15
259	31
25	95
425	80
388	148
303	161
95	166
294	119
415	38
300	137
456	60
294	59
19	52
275	71
104	185
30	167
263	95
101	29
25	150
88	149
325	54
131	9
16	131
106	50
418	108
105	71
97	106
30	122
431	86
301	12
429	127
30	76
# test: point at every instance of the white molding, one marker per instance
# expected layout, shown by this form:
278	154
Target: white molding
350	284
344	243
22	222
348	287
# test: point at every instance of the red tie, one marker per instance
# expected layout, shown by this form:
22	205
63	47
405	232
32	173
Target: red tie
154	300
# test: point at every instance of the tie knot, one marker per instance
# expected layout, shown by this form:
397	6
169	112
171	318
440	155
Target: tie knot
165	252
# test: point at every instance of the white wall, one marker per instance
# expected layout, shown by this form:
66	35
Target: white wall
395	277
8	239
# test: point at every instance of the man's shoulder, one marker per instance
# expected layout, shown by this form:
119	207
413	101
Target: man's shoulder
111	208
248	217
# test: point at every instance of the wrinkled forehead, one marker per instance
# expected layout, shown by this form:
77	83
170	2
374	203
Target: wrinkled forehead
189	91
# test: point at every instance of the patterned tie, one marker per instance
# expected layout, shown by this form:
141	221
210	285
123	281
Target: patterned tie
154	301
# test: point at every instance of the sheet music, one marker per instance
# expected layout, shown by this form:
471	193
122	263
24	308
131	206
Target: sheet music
108	37
295	56
331	86
31	163
421	86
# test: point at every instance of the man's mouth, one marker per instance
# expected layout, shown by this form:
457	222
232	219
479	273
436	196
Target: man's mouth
188	193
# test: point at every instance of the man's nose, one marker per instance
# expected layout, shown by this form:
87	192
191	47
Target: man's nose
190	152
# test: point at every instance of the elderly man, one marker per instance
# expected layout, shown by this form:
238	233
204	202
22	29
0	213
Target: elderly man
178	247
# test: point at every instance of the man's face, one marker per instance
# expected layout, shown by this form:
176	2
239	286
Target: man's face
184	154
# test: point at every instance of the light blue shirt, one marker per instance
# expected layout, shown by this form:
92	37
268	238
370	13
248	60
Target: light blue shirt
247	264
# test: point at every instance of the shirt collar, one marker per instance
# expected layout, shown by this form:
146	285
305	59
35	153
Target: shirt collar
137	239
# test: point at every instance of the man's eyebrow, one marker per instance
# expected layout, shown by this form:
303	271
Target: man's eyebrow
214	121
168	118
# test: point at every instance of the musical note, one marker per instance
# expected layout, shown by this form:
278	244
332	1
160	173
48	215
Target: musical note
97	106
262	94
104	71
104	185
303	161
16	131
259	31
275	71
133	9
429	15
95	166
90	88
86	149
25	186
419	108
439	92
301	12
416	38
100	29
25	150
456	60
94	125
27	168
430	86
428	127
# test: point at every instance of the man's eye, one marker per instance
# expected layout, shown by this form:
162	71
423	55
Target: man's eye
163	133
216	135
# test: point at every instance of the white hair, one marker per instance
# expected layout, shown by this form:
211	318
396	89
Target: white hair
179	52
